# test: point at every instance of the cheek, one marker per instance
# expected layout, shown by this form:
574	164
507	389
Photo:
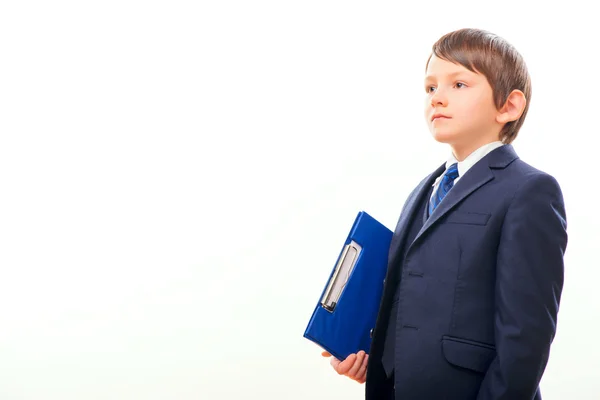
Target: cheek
472	110
483	107
470	105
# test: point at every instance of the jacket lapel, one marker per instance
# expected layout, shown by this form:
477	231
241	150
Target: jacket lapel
409	212
477	176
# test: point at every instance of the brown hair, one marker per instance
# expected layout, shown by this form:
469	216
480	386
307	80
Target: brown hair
490	55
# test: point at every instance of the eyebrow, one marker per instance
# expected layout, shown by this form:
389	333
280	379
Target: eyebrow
452	75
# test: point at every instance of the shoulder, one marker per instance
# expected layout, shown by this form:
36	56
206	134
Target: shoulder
535	196
527	178
514	174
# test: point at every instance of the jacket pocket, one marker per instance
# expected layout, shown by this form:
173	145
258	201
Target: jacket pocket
470	218
468	354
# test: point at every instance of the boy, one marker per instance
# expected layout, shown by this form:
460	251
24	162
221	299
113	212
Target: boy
475	269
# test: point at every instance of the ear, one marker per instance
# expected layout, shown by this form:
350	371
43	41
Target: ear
513	107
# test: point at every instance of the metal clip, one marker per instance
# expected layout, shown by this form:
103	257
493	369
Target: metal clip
343	269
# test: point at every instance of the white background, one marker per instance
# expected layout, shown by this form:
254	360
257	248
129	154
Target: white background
177	179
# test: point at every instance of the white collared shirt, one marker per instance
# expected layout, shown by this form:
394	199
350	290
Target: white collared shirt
467	163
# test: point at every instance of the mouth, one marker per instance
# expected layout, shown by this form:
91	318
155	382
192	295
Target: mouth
439	117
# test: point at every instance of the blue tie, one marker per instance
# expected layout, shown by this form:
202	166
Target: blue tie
444	187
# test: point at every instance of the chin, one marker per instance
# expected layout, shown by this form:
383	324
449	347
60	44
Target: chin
444	137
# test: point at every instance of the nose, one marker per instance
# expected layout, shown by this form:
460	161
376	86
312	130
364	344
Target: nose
438	98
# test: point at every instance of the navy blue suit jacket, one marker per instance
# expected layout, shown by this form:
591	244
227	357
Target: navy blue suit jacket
479	286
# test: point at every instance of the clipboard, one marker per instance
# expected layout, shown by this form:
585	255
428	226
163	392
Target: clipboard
346	312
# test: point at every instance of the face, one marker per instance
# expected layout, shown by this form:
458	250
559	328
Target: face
459	107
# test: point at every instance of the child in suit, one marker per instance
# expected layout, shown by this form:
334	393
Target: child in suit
475	269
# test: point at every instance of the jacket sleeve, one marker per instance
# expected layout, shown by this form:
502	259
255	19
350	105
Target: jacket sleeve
529	281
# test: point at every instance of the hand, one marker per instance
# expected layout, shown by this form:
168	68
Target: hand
354	366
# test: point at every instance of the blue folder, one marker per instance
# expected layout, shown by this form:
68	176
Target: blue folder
347	310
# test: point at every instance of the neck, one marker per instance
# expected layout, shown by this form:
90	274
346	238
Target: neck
463	151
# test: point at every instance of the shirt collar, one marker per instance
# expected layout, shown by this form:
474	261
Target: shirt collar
472	159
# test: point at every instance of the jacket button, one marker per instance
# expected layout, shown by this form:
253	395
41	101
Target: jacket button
371	333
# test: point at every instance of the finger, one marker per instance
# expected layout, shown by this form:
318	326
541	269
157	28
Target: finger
362	372
343	367
357	364
326	354
366	362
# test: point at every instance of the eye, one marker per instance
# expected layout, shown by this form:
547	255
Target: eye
429	89
460	85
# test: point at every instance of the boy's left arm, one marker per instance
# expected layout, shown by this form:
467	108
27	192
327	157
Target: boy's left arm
529	281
